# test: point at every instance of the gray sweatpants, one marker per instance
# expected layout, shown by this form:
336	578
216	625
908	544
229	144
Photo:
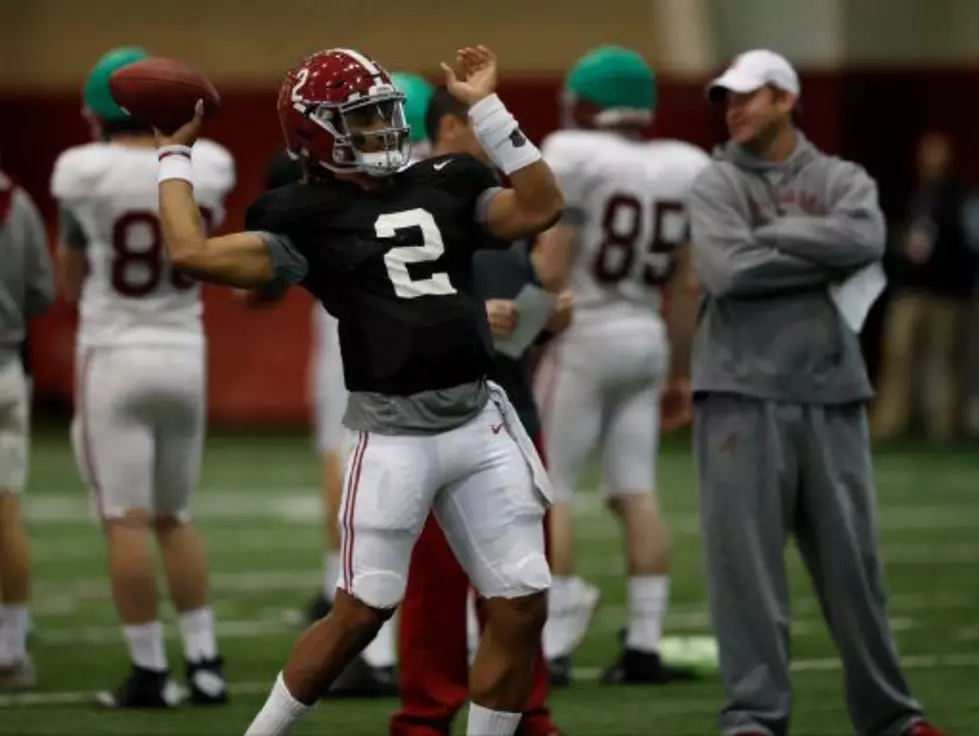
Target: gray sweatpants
767	470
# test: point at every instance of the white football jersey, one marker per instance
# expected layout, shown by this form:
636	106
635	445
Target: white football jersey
628	201
132	294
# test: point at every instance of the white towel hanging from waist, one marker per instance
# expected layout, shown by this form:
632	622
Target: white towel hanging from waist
515	429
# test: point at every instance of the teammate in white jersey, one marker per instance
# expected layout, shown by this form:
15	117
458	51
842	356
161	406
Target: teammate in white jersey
601	382
140	402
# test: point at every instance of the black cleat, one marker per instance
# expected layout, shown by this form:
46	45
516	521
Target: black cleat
559	671
635	667
143	689
360	680
207	683
319	607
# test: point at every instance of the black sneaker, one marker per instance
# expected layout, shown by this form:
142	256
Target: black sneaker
318	608
559	671
207	683
635	667
360	680
143	689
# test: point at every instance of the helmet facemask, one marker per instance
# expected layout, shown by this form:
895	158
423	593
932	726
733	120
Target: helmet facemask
371	133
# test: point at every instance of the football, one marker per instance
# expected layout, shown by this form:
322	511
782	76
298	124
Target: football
162	92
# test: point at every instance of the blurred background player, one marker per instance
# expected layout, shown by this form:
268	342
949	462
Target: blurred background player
432	640
26	289
139	424
600	383
933	275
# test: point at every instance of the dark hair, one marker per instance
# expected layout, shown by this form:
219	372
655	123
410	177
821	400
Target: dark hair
126	126
442	103
282	170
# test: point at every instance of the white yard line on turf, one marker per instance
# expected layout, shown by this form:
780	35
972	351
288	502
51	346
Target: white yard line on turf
288	622
22	700
824	664
110	634
230	545
60	596
925	662
287	504
304	505
97	588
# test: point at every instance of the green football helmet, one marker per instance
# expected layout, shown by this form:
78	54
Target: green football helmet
610	85
417	91
96	94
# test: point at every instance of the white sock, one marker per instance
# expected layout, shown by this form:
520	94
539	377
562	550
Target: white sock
559	601
13	633
486	722
197	631
648	596
280	711
380	652
331	574
146	645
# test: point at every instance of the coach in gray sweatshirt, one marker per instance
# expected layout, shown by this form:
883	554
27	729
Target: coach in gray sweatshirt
26	288
779	420
26	277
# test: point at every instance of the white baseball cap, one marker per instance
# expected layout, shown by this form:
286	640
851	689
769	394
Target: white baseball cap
753	70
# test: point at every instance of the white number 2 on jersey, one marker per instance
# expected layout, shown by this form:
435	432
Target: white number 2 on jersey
397	259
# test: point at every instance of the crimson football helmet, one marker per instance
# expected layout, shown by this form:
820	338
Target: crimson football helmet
340	110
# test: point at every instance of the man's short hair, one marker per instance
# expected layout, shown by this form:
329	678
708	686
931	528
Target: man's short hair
125	126
442	103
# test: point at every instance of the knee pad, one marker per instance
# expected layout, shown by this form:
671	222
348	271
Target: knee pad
529	575
379	589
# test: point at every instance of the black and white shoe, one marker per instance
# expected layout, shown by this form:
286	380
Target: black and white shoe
360	680
207	683
144	689
634	667
19	675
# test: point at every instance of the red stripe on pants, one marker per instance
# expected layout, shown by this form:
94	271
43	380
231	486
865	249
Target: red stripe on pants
353	484
432	655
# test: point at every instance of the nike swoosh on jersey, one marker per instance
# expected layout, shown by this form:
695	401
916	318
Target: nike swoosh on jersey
441	165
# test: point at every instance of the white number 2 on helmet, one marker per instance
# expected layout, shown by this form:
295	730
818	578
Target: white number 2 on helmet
301	78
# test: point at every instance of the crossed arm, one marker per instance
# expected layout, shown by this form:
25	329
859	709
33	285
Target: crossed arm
850	236
790	253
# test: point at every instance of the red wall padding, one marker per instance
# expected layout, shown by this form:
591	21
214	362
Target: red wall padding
258	358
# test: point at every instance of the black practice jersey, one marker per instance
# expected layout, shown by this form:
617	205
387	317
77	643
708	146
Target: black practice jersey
394	266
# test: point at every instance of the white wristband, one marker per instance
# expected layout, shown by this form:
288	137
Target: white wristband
173	148
174	164
501	136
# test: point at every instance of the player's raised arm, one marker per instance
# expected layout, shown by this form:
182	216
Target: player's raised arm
533	202
241	259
